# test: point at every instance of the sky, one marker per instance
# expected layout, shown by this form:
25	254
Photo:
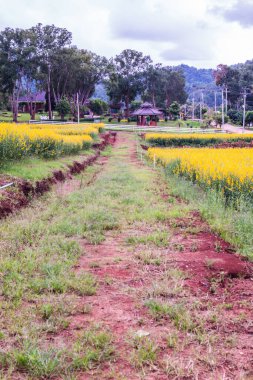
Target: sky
200	33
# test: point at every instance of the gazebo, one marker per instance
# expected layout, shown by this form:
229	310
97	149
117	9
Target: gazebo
147	111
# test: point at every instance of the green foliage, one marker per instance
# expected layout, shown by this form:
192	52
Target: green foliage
63	107
235	116
218	118
145	352
93	347
98	106
249	117
174	110
126	76
135	104
186	140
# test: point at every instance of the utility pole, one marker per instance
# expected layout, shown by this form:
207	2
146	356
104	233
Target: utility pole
201	105
193	106
78	109
226	92
244	107
222	106
215	101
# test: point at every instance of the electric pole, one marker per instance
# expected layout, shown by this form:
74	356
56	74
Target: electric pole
201	105
222	106
244	107
215	102
78	110
193	106
226	92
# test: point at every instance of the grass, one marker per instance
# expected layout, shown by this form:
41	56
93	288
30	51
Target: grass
144	352
181	317
93	347
149	258
169	123
233	224
157	238
39	248
35	168
23	117
44	291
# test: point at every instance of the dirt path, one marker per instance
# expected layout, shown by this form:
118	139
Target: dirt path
233	129
112	277
210	336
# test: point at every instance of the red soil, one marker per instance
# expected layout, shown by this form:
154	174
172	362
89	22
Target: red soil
216	277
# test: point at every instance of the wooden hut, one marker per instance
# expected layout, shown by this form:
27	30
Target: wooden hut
147	114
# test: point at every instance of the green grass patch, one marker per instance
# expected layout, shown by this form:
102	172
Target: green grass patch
36	168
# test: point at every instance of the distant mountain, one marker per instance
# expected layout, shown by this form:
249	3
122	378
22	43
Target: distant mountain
197	81
200	80
197	77
100	93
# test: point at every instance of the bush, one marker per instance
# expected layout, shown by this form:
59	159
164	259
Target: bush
249	117
63	107
98	106
235	116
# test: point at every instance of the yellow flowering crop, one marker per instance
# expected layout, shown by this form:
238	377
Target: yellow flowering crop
229	170
47	141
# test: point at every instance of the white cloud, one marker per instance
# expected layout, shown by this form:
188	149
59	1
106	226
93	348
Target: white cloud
200	32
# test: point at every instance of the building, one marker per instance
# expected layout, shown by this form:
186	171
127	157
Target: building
147	114
37	100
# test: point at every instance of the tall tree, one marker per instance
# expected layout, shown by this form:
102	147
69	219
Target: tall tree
228	77
49	41
153	83
17	61
76	72
126	78
172	87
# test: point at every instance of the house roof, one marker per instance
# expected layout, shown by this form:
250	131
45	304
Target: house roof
147	109
37	97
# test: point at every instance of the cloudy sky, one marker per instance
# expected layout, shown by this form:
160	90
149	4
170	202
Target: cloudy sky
202	33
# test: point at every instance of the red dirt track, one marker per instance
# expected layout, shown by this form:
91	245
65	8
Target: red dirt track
216	277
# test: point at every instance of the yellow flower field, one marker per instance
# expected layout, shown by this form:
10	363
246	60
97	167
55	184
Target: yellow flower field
229	170
194	139
46	141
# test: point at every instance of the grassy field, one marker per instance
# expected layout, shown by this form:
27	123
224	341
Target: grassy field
169	123
34	169
107	277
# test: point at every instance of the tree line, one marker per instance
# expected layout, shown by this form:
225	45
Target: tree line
236	81
43	58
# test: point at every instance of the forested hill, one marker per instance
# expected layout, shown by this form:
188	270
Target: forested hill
197	77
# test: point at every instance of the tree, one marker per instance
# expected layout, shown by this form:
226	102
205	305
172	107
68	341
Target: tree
153	83
171	87
126	76
229	78
235	116
17	60
63	107
135	104
98	106
50	40
249	117
174	110
218	118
